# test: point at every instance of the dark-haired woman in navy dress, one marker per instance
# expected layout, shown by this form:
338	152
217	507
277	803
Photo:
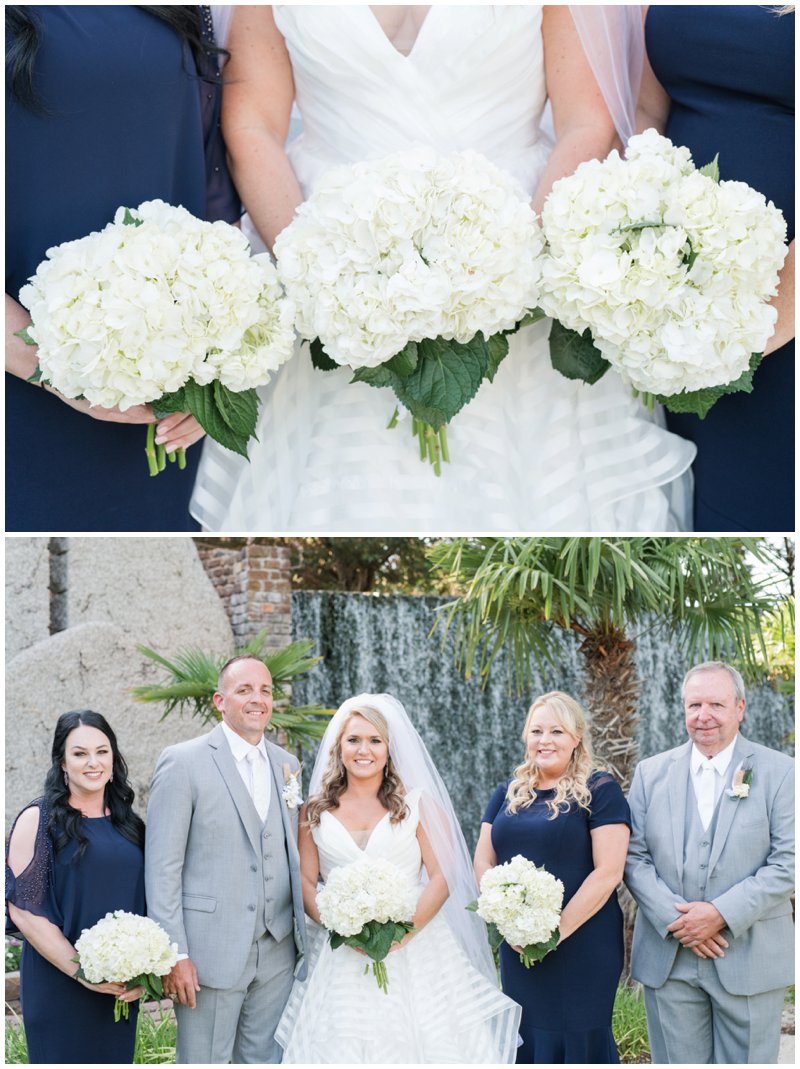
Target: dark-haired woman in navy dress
559	812
105	106
74	855
720	79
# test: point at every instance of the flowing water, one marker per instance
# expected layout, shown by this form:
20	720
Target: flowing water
383	644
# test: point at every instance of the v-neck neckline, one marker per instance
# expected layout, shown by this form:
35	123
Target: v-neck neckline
349	834
390	44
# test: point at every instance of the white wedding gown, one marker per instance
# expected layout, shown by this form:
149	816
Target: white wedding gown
532	451
438	1009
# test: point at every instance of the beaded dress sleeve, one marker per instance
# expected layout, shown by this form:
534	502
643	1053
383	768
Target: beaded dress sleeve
30	889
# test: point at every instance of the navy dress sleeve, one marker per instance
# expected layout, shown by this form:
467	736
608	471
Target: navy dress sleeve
29	889
609	804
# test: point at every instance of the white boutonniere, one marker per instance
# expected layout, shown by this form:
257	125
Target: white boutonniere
740	787
292	791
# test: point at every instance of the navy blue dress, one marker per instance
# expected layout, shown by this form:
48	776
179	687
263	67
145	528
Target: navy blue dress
567	999
125	123
729	71
64	1021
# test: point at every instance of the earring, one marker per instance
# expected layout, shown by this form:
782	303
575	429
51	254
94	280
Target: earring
66	778
111	778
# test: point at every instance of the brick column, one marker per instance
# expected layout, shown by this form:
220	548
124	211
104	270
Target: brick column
254	582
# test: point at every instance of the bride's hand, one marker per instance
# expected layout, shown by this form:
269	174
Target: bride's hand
406	938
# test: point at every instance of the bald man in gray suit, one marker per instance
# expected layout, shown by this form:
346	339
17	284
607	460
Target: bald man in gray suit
711	866
222	876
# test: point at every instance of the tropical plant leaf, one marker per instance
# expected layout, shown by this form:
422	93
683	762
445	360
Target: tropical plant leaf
192	679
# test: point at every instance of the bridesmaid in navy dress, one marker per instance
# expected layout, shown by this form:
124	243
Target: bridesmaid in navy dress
561	813
74	855
105	107
721	80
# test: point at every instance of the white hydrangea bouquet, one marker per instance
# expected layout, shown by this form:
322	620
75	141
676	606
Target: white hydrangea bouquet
127	949
165	309
368	905
412	270
521	904
661	271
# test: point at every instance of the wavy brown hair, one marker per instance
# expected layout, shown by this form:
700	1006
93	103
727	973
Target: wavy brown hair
572	787
334	779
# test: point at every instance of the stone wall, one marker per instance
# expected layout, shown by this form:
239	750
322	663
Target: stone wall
76	609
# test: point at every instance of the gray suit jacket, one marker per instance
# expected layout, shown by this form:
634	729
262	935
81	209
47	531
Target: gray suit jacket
750	871
203	842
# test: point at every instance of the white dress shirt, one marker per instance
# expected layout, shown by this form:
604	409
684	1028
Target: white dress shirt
708	779
240	748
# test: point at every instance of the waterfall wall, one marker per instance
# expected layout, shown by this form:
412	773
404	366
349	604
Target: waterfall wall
383	644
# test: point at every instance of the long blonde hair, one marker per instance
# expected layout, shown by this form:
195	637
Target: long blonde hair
334	779
573	785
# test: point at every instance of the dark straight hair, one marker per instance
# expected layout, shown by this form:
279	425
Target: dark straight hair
23	41
64	823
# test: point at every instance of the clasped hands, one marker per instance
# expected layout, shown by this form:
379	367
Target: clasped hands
700	928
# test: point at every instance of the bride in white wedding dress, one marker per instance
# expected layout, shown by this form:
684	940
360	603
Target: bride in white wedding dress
532	451
375	793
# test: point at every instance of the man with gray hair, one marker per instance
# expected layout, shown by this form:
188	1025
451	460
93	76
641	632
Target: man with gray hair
711	866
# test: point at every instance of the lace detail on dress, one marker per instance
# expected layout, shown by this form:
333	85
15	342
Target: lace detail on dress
28	890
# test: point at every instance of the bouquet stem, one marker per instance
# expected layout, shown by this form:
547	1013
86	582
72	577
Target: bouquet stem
120	1009
380	974
150	449
432	443
157	454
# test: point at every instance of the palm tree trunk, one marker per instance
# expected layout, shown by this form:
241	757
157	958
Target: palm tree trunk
612	699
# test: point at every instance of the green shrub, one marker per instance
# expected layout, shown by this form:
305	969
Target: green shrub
630	1025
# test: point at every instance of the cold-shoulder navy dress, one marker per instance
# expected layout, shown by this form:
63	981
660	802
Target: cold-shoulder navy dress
127	119
65	1022
729	72
567	999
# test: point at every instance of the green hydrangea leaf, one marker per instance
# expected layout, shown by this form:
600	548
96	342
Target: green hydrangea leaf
26	337
390	371
711	170
700	402
447	376
169	403
575	355
533	316
239	408
202	402
319	358
130	220
375	376
498	351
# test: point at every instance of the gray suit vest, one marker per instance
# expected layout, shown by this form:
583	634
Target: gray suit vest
274	907
697	849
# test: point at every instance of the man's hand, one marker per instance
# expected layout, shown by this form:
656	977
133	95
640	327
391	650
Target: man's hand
699	922
713	947
180	983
